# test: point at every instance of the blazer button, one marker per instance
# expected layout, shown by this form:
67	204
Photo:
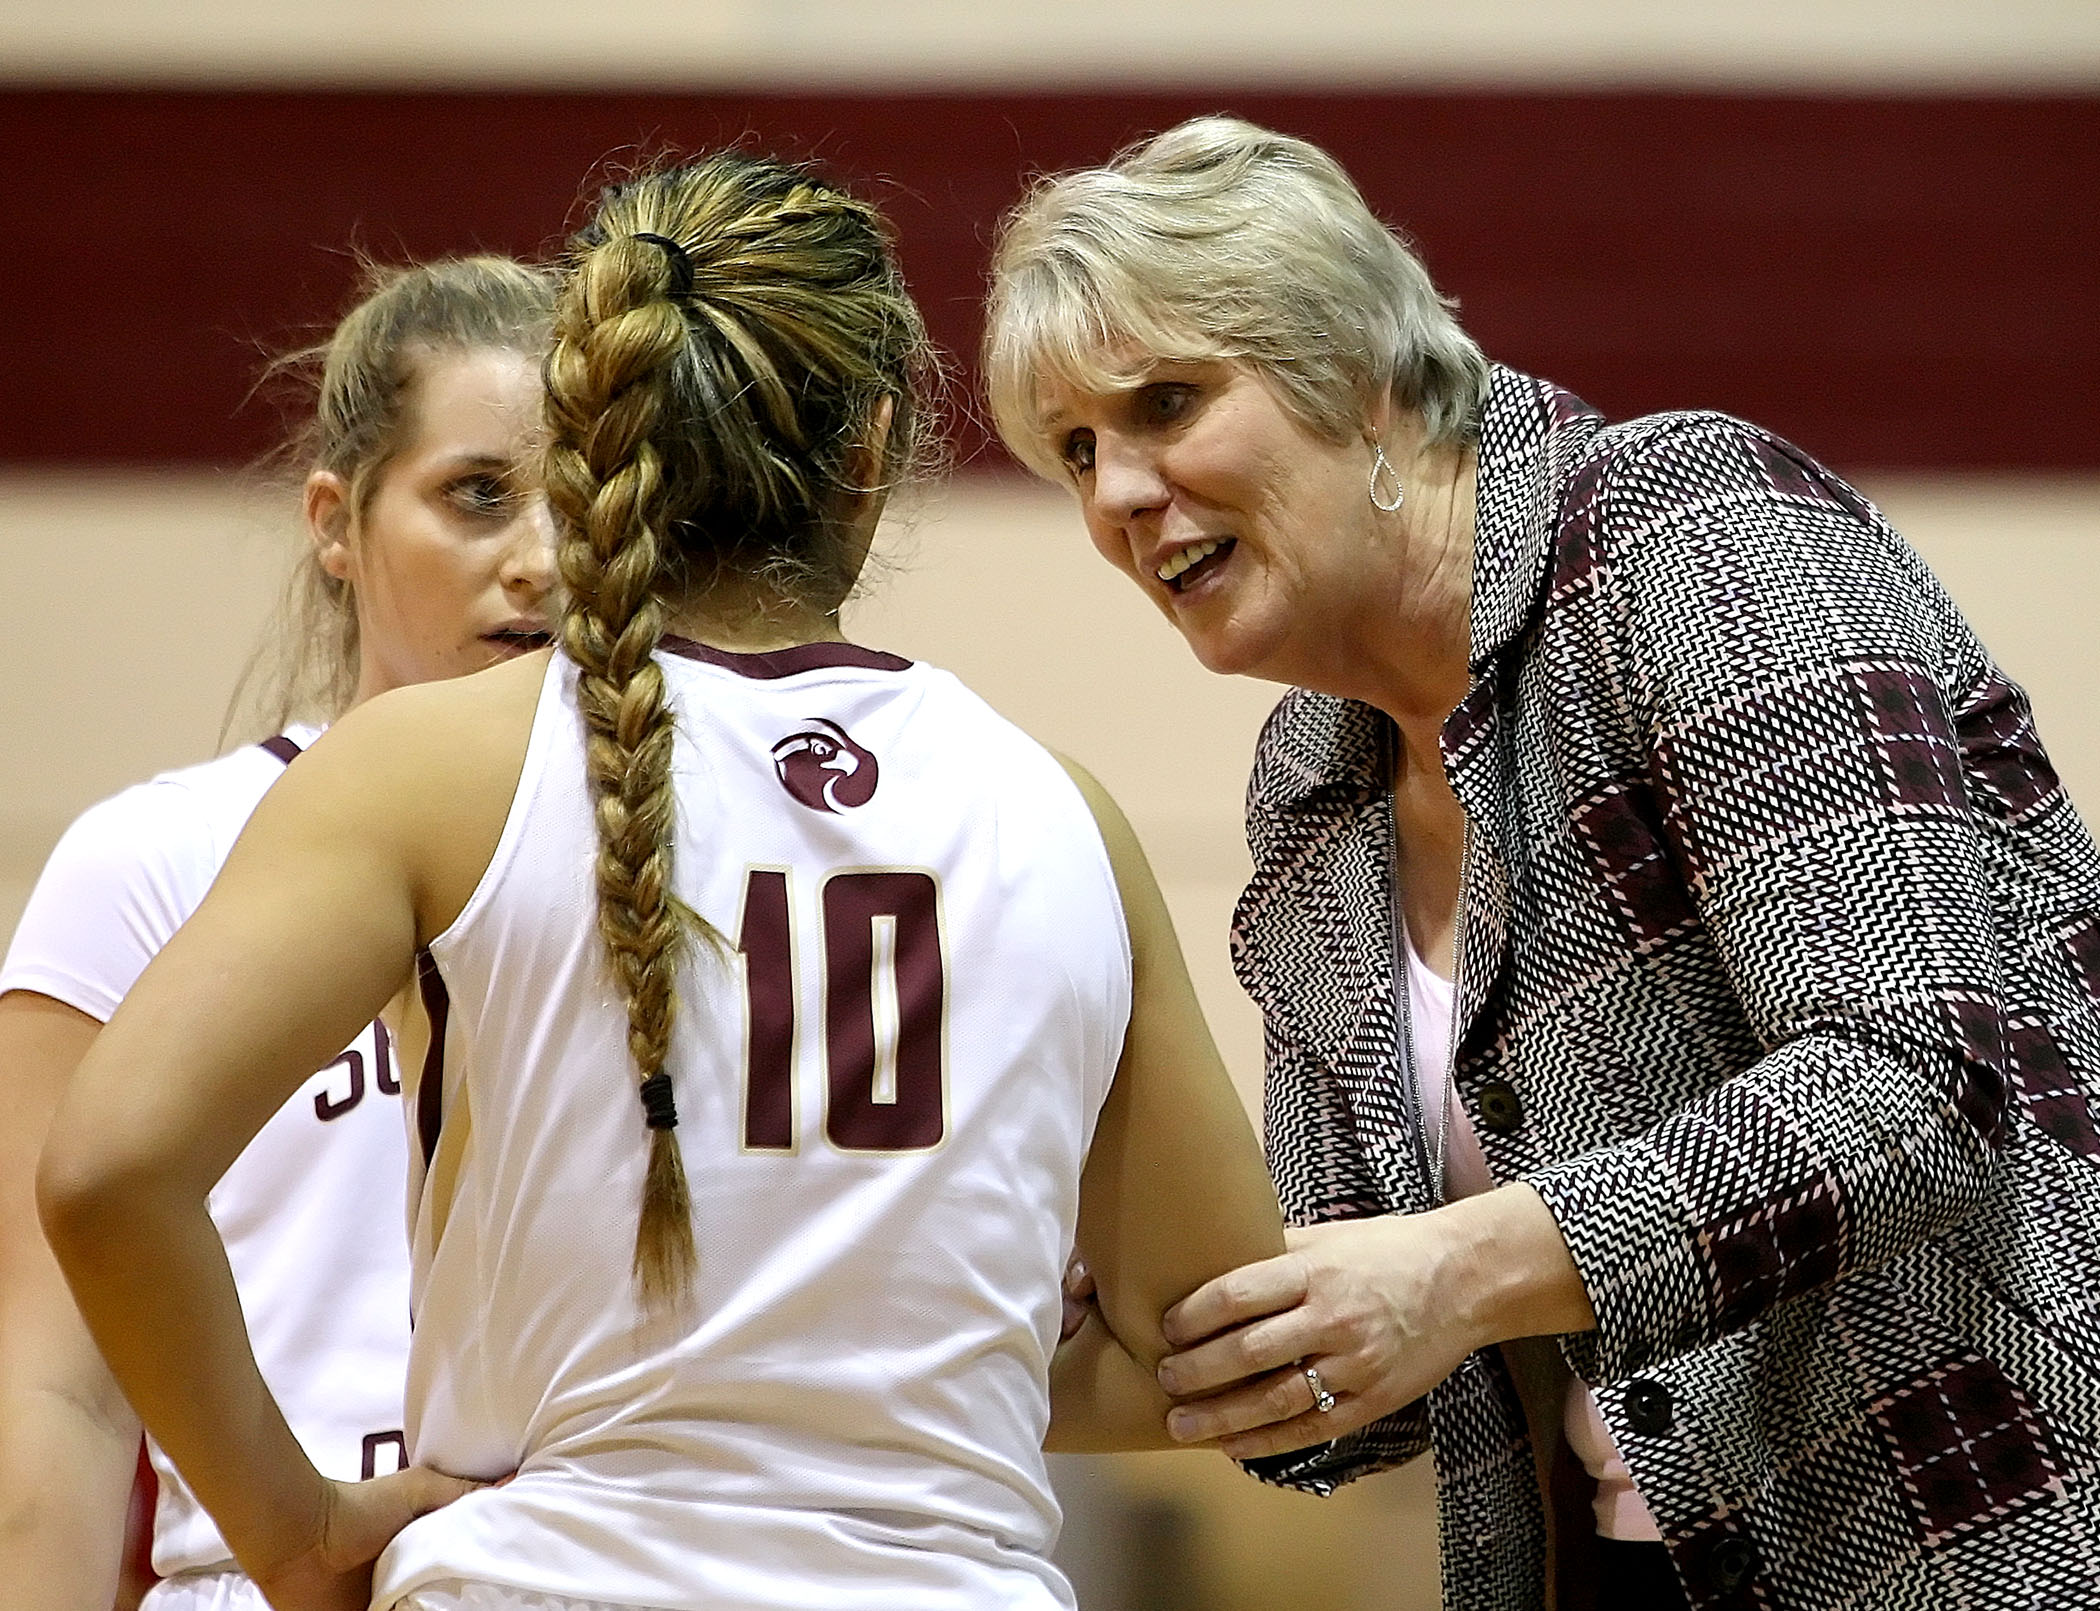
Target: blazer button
1731	1563
1648	1409
1499	1108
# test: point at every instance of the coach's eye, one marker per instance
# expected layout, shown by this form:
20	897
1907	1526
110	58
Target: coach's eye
1077	451
1164	402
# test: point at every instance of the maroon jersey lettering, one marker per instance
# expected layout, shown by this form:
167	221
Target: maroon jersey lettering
769	1001
885	1010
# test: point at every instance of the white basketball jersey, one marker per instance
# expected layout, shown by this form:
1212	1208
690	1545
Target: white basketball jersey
311	1210
886	1080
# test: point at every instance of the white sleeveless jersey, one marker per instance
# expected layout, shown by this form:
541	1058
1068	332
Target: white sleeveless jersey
885	1094
311	1210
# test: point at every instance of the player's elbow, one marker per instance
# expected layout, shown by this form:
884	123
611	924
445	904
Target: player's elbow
1133	1309
87	1192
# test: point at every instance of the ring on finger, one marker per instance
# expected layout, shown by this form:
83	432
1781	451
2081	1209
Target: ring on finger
1323	1401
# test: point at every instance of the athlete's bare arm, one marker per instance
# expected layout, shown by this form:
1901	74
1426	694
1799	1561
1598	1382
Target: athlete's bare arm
369	845
1174	1191
71	1442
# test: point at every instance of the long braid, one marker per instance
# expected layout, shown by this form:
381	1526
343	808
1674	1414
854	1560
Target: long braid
614	346
725	342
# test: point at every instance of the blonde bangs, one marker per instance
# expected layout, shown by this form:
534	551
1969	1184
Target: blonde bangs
1219	239
1071	320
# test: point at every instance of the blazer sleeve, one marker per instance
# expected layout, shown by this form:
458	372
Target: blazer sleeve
1321	1175
1791	665
1309	1137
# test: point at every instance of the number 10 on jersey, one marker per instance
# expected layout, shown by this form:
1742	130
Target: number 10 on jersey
885	1006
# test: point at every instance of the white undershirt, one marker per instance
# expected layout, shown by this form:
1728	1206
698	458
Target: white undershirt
1619	1510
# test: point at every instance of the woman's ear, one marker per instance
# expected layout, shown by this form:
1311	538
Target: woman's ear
866	473
867	461
326	503
1379	415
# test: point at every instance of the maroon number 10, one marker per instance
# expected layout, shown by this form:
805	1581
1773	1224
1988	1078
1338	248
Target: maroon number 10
885	998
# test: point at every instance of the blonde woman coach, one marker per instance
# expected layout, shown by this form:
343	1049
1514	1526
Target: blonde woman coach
1671	935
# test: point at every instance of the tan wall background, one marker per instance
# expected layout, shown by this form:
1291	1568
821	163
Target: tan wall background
134	601
1151	42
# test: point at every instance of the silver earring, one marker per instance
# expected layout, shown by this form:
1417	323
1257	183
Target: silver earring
1384	466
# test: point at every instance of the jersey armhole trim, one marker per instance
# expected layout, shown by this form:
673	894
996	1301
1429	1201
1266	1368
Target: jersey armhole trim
1105	869
1104	863
65	989
550	707
430	1085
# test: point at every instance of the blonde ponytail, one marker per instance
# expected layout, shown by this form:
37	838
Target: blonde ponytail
616	334
724	340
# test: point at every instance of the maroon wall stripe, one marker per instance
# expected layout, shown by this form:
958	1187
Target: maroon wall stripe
1890	281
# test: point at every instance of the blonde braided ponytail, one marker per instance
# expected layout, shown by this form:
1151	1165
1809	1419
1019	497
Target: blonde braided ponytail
616	334
725	337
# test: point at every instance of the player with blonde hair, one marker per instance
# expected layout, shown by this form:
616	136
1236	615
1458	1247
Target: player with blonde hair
430	554
792	1016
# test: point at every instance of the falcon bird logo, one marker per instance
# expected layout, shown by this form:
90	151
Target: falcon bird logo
825	770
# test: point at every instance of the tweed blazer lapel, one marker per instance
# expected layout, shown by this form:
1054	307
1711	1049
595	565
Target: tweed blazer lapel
1313	938
1533	435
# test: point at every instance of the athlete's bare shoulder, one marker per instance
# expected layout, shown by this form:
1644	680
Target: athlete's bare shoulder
1145	916
1124	852
462	708
431	769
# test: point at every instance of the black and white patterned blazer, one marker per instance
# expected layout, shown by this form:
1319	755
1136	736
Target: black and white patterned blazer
1779	981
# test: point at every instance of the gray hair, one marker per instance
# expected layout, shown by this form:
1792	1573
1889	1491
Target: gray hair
1220	239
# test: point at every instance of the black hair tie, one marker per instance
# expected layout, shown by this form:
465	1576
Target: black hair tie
658	1102
681	261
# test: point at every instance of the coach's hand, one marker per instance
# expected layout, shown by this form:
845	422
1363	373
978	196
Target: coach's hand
358	1520
1381	1310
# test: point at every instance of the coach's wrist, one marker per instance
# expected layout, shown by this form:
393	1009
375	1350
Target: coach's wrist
1516	1276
